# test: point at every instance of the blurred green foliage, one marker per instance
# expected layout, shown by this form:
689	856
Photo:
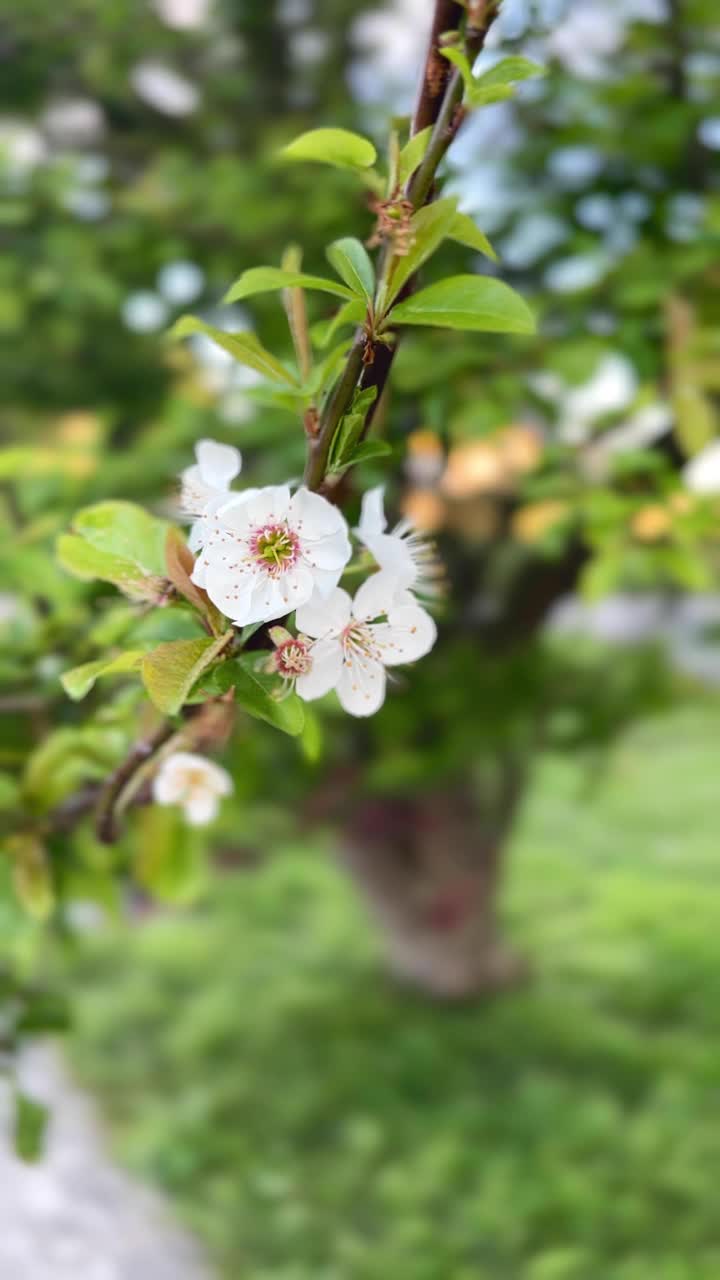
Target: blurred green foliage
96	409
311	1123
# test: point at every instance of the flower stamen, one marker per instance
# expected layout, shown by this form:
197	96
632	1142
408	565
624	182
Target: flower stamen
275	548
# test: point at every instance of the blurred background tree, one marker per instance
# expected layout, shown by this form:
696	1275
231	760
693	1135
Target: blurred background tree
140	174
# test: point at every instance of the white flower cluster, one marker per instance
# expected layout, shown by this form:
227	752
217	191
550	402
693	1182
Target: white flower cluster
193	783
265	553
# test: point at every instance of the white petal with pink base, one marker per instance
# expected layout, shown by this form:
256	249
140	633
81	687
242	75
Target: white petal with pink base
269	551
352	649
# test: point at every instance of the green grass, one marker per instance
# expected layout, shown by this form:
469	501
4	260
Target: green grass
314	1123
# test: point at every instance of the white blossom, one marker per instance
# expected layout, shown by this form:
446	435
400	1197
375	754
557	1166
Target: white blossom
403	553
205	486
193	783
351	648
268	551
702	473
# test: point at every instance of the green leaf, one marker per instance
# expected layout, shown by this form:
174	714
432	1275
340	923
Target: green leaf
30	1125
464	231
366	450
126	530
476	303
602	575
495	84
323	374
83	560
170	671
170	860
311	738
350	313
694	417
412	154
270	279
259	693
9	792
352	263
508	71
243	347
349	430
79	680
430	226
337	147
31	874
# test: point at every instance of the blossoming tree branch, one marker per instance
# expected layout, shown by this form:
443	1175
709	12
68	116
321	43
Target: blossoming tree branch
267	571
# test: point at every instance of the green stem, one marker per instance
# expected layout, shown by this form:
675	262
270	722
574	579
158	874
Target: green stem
447	122
337	405
442	135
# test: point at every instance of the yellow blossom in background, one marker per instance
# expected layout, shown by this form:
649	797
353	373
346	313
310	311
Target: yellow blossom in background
651	523
472	468
532	522
425	509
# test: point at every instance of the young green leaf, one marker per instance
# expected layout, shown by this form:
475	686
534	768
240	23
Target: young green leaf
257	692
170	671
467	302
495	84
243	347
412	154
270	279
83	560
79	680
31	874
324	372
338	147
367	450
429	227
352	263
350	429
464	231
170	860
349	313
126	530
508	71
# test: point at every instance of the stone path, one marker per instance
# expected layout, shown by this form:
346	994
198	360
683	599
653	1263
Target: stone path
74	1216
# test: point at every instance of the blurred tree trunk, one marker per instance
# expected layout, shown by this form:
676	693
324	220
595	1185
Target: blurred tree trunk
429	866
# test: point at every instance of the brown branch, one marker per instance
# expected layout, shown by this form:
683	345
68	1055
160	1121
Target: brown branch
436	71
106	826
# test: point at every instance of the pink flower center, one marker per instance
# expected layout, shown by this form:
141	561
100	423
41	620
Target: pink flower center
292	658
275	548
357	642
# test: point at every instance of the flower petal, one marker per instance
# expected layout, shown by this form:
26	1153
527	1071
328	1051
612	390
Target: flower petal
170	781
257	508
229	589
314	517
408	634
376	595
361	686
296	585
325	671
372	514
319	618
218	464
330	552
218	779
266	602
393	554
326	581
201	806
